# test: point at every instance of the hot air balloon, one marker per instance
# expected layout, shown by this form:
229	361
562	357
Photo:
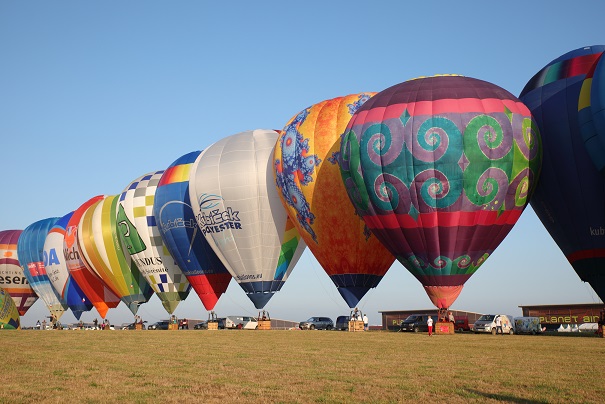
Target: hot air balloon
99	243
238	210
308	178
12	278
182	236
54	261
141	238
99	294
441	168
590	103
9	315
570	196
30	249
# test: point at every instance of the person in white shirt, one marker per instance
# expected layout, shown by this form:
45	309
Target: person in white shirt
366	326
499	325
429	323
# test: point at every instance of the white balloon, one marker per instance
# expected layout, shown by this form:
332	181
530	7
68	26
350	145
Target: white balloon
239	211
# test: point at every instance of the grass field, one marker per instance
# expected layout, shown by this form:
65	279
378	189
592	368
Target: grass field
297	366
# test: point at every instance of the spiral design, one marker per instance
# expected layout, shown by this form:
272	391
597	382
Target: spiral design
433	191
492	186
431	138
490	134
391	194
376	140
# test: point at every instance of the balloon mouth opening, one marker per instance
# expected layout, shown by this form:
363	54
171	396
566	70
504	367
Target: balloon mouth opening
443	296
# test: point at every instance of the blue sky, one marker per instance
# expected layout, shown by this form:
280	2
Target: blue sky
95	94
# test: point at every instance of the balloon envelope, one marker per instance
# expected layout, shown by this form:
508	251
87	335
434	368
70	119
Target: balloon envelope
99	294
141	238
56	267
30	249
238	210
570	196
308	178
440	168
12	278
589	102
182	236
99	243
9	315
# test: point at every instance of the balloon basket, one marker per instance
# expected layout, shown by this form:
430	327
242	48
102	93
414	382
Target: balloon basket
444	328
138	326
173	326
264	325
355	326
212	325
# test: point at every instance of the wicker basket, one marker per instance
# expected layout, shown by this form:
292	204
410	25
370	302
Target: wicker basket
444	328
355	325
264	325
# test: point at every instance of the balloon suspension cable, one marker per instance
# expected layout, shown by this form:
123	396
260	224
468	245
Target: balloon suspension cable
315	272
251	314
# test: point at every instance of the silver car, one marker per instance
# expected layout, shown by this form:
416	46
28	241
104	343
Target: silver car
317	323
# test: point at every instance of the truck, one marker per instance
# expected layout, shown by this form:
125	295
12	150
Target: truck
528	325
487	323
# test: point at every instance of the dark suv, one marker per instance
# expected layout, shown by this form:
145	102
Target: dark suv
416	323
342	323
160	325
317	323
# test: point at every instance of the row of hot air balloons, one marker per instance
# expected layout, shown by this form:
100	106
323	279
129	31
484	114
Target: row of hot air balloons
433	172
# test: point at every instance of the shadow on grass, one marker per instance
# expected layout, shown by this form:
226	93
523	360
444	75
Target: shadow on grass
505	397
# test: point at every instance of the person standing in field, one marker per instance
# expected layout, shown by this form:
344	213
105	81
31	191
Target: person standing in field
499	325
429	323
366	325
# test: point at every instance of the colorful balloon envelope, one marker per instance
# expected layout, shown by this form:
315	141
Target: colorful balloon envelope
570	196
30	249
587	62
100	295
9	315
99	243
440	168
12	278
141	238
311	189
182	236
56	267
238	210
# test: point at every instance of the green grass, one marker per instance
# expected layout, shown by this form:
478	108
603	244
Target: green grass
297	366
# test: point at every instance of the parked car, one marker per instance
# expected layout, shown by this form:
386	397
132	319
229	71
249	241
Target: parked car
342	323
240	322
461	323
131	326
317	323
160	325
487	323
203	325
416	323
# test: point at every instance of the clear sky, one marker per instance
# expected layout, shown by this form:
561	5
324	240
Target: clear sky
95	94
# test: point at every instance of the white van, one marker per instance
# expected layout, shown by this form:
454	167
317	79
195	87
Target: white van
243	322
528	325
487	323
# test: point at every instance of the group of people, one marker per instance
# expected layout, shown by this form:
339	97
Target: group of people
444	316
357	316
54	323
183	324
